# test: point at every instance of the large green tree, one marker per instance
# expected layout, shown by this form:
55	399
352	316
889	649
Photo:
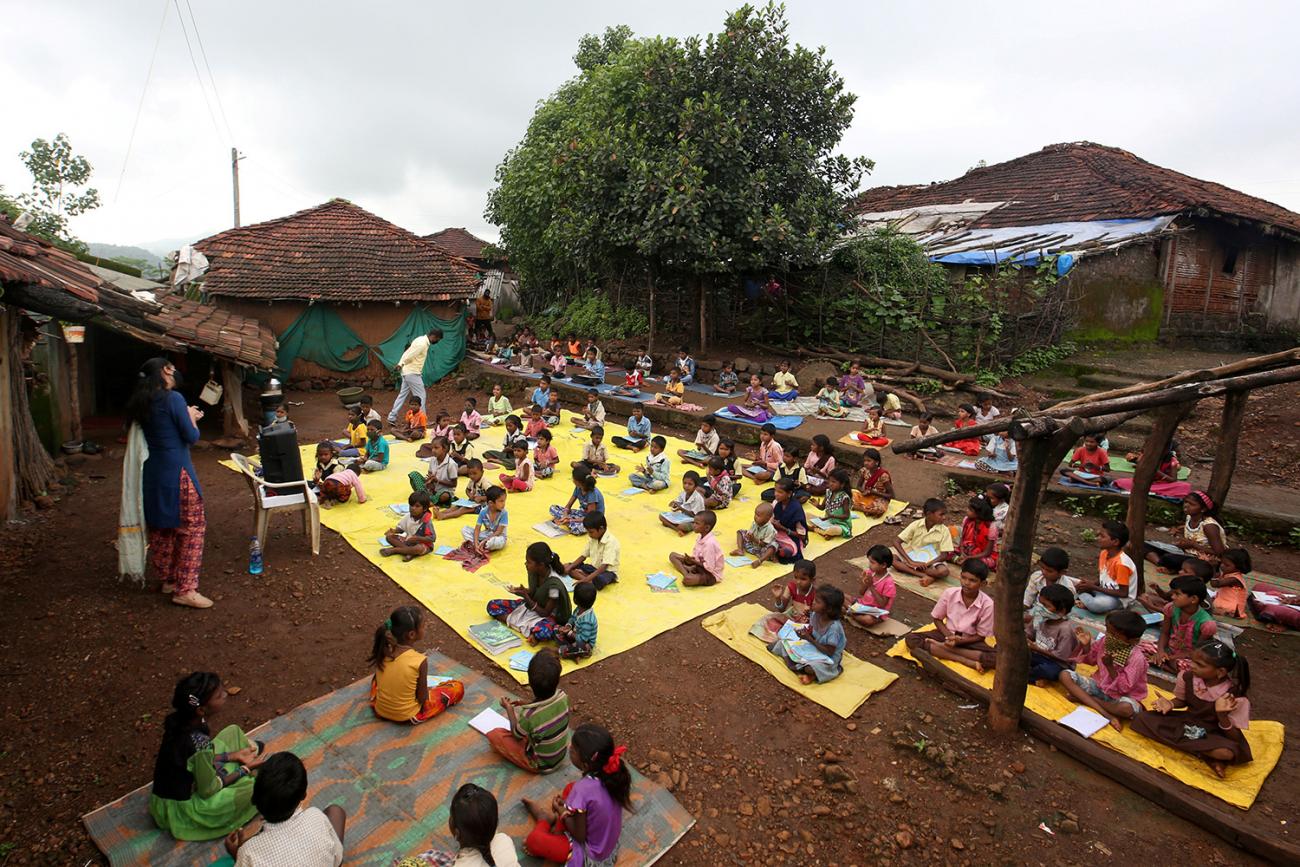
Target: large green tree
693	160
58	178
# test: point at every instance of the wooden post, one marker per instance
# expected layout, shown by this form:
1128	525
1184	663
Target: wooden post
74	394
704	323
1225	456
1039	457
1153	451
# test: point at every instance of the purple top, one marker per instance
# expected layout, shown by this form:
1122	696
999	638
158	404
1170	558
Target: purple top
604	820
757	395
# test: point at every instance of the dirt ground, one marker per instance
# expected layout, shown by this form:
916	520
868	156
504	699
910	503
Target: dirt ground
87	665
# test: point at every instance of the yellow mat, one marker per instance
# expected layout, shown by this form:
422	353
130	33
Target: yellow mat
629	613
1241	785
843	695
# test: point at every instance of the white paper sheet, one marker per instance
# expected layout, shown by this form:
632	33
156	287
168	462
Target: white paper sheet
1085	721
489	720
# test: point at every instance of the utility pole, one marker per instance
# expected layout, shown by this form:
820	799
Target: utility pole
234	176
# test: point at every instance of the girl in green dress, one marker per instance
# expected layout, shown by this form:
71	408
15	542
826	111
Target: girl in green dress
202	785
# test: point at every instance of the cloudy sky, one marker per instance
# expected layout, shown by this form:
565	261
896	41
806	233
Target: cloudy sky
406	107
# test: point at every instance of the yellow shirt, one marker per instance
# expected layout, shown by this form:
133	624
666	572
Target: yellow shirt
677	388
915	536
603	552
358	435
784	381
395	687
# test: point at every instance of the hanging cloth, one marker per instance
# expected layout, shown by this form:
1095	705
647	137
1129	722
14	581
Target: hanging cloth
131	542
320	336
443	356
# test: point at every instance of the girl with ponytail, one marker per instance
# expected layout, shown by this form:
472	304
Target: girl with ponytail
582	826
544	605
1209	711
399	690
202	785
473	822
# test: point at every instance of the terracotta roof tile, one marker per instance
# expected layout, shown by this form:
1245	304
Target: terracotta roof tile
215	330
457	241
1080	181
334	252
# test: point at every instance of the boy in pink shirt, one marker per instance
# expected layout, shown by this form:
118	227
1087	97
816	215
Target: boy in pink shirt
1119	685
703	566
963	618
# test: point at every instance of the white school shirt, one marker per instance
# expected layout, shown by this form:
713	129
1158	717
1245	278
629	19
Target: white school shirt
980	417
707	442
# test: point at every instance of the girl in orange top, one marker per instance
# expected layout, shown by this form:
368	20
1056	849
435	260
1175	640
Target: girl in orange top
1230	587
399	690
965	418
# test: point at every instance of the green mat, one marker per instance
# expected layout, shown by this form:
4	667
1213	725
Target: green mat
1121	465
396	783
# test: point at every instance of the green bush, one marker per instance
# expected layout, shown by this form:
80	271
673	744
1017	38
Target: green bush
590	316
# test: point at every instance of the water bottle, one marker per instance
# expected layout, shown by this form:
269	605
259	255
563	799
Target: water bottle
255	558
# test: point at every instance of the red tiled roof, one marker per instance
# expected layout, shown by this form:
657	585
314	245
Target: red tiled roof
25	258
1079	181
458	242
215	330
333	252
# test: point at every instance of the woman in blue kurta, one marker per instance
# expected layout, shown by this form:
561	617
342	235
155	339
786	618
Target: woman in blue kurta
170	494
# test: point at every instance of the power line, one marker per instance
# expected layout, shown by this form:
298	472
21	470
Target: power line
204	53
139	108
197	76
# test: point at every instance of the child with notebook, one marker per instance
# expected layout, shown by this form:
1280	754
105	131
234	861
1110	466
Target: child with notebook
1187	625
594	456
638	430
717	485
633	379
703	566
461	448
505	456
963	619
873	429
728	381
759	541
825	632
767	460
586	498
1118	687
489	532
685	365
413	536
828	400
598	563
538	737
442	476
674	390
577	638
470	418
838	506
545	458
689	503
1089	463
541	607
1052	645
582	825
791	470
593	414
925	546
878	588
654	474
925	427
399	689
706	444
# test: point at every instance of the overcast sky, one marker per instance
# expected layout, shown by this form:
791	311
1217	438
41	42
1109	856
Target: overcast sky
406	107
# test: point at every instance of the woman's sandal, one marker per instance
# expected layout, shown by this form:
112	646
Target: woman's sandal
193	599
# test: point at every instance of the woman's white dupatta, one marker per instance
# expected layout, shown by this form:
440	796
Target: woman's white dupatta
131	540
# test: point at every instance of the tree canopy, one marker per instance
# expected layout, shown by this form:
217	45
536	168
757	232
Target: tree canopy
57	176
693	158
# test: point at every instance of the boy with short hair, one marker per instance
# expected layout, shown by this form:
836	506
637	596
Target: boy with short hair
706	443
759	540
928	531
1051	570
703	566
593	414
656	473
442	476
1116	584
368	412
287	835
377	452
598	563
686	365
414	423
538	737
577	638
638	430
727	379
1052	644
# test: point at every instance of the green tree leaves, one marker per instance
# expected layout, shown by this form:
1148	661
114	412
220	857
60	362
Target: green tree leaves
57	175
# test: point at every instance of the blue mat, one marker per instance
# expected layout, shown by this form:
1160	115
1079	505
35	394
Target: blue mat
1109	489
780	422
609	390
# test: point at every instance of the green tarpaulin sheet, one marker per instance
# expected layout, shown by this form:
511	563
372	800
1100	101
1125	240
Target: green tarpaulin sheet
321	337
443	356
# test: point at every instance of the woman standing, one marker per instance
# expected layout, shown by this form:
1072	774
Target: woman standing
169	487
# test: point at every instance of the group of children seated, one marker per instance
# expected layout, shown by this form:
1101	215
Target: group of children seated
209	787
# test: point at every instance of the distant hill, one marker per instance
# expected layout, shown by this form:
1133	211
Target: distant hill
151	264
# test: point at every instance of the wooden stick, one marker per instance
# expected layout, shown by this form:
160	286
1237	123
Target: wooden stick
1153	452
1289	356
1201	809
1225	456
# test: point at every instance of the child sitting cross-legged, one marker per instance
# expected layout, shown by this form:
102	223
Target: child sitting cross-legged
873	429
489	531
1116	690
706	444
524	477
825	632
377	451
1156	597
963	618
498	407
792	471
795	597
703	566
577	638
1186	626
413	536
543	605
399	690
674	389
759	541
925	546
1117	580
1209	713
654	474
598	563
767	460
594	456
838	507
718	487
878	588
689	502
472	818
587	498
314	835
582	824
875	486
1231	593
638	431
505	456
476	487
413	423
1051	570
593	414
1052	645
535	424
545	457
327	462
828	400
784	384
633	379
538	737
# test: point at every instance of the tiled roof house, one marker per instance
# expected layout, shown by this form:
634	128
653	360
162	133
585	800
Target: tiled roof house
366	269
1152	248
458	241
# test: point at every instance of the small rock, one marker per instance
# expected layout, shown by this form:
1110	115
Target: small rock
851	726
904	839
742	365
821	810
764	805
745	808
957	844
1018	767
1069	826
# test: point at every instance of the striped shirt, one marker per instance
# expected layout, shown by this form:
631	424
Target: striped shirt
544	726
584	627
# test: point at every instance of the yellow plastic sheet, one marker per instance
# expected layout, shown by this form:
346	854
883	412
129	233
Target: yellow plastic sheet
843	695
629	613
1241	785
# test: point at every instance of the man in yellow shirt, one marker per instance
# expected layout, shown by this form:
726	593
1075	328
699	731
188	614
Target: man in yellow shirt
411	368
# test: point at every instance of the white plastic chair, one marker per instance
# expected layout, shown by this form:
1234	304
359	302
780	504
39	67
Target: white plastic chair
269	497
